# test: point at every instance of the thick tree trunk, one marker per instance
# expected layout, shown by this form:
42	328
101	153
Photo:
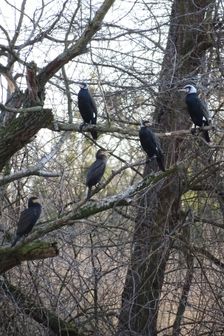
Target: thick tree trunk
187	43
20	132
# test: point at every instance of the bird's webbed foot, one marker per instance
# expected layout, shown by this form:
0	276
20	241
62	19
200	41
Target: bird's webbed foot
194	131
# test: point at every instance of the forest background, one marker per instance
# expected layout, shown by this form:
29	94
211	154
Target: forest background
145	255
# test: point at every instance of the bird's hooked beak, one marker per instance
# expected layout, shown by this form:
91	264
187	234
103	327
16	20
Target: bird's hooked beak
182	90
105	151
35	200
83	85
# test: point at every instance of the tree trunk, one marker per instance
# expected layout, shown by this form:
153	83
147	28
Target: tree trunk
20	132
188	41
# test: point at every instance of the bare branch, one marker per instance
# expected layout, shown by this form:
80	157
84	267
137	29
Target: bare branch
25	173
36	170
83	210
78	48
59	126
39	313
20	110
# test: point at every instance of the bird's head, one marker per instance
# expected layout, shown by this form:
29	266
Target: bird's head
83	85
101	154
188	89
144	123
33	200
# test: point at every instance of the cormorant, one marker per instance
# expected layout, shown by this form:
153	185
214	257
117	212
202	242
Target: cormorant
151	144
96	170
197	110
87	108
28	219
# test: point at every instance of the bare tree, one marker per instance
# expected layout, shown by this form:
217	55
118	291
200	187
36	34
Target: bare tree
160	219
163	228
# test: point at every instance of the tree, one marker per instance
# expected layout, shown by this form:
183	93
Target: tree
159	218
177	215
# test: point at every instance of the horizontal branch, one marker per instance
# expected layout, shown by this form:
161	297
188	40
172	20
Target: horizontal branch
20	110
10	258
105	128
85	209
25	173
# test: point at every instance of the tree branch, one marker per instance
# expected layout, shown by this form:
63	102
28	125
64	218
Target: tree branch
78	48
39	313
36	170
85	209
20	110
105	128
209	256
11	257
25	173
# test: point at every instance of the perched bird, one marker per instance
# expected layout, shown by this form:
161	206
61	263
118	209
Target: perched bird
87	108
151	144
197	109
28	219
96	170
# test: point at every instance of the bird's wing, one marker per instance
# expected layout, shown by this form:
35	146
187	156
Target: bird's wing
94	108
95	172
202	107
28	218
205	111
154	140
157	143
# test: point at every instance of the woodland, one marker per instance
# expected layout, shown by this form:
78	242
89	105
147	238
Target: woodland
144	256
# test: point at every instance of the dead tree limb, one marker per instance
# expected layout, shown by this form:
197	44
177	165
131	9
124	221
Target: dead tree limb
40	314
11	257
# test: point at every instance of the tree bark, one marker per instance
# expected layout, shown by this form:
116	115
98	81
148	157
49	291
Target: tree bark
11	257
188	40
20	131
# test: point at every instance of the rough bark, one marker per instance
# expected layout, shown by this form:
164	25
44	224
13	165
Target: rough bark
11	257
20	132
188	41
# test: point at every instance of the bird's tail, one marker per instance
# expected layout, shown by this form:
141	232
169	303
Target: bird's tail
94	134
160	161
206	136
88	193
15	240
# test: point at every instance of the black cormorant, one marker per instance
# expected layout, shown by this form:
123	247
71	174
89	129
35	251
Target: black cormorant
197	110
151	144
28	219
87	107
96	170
